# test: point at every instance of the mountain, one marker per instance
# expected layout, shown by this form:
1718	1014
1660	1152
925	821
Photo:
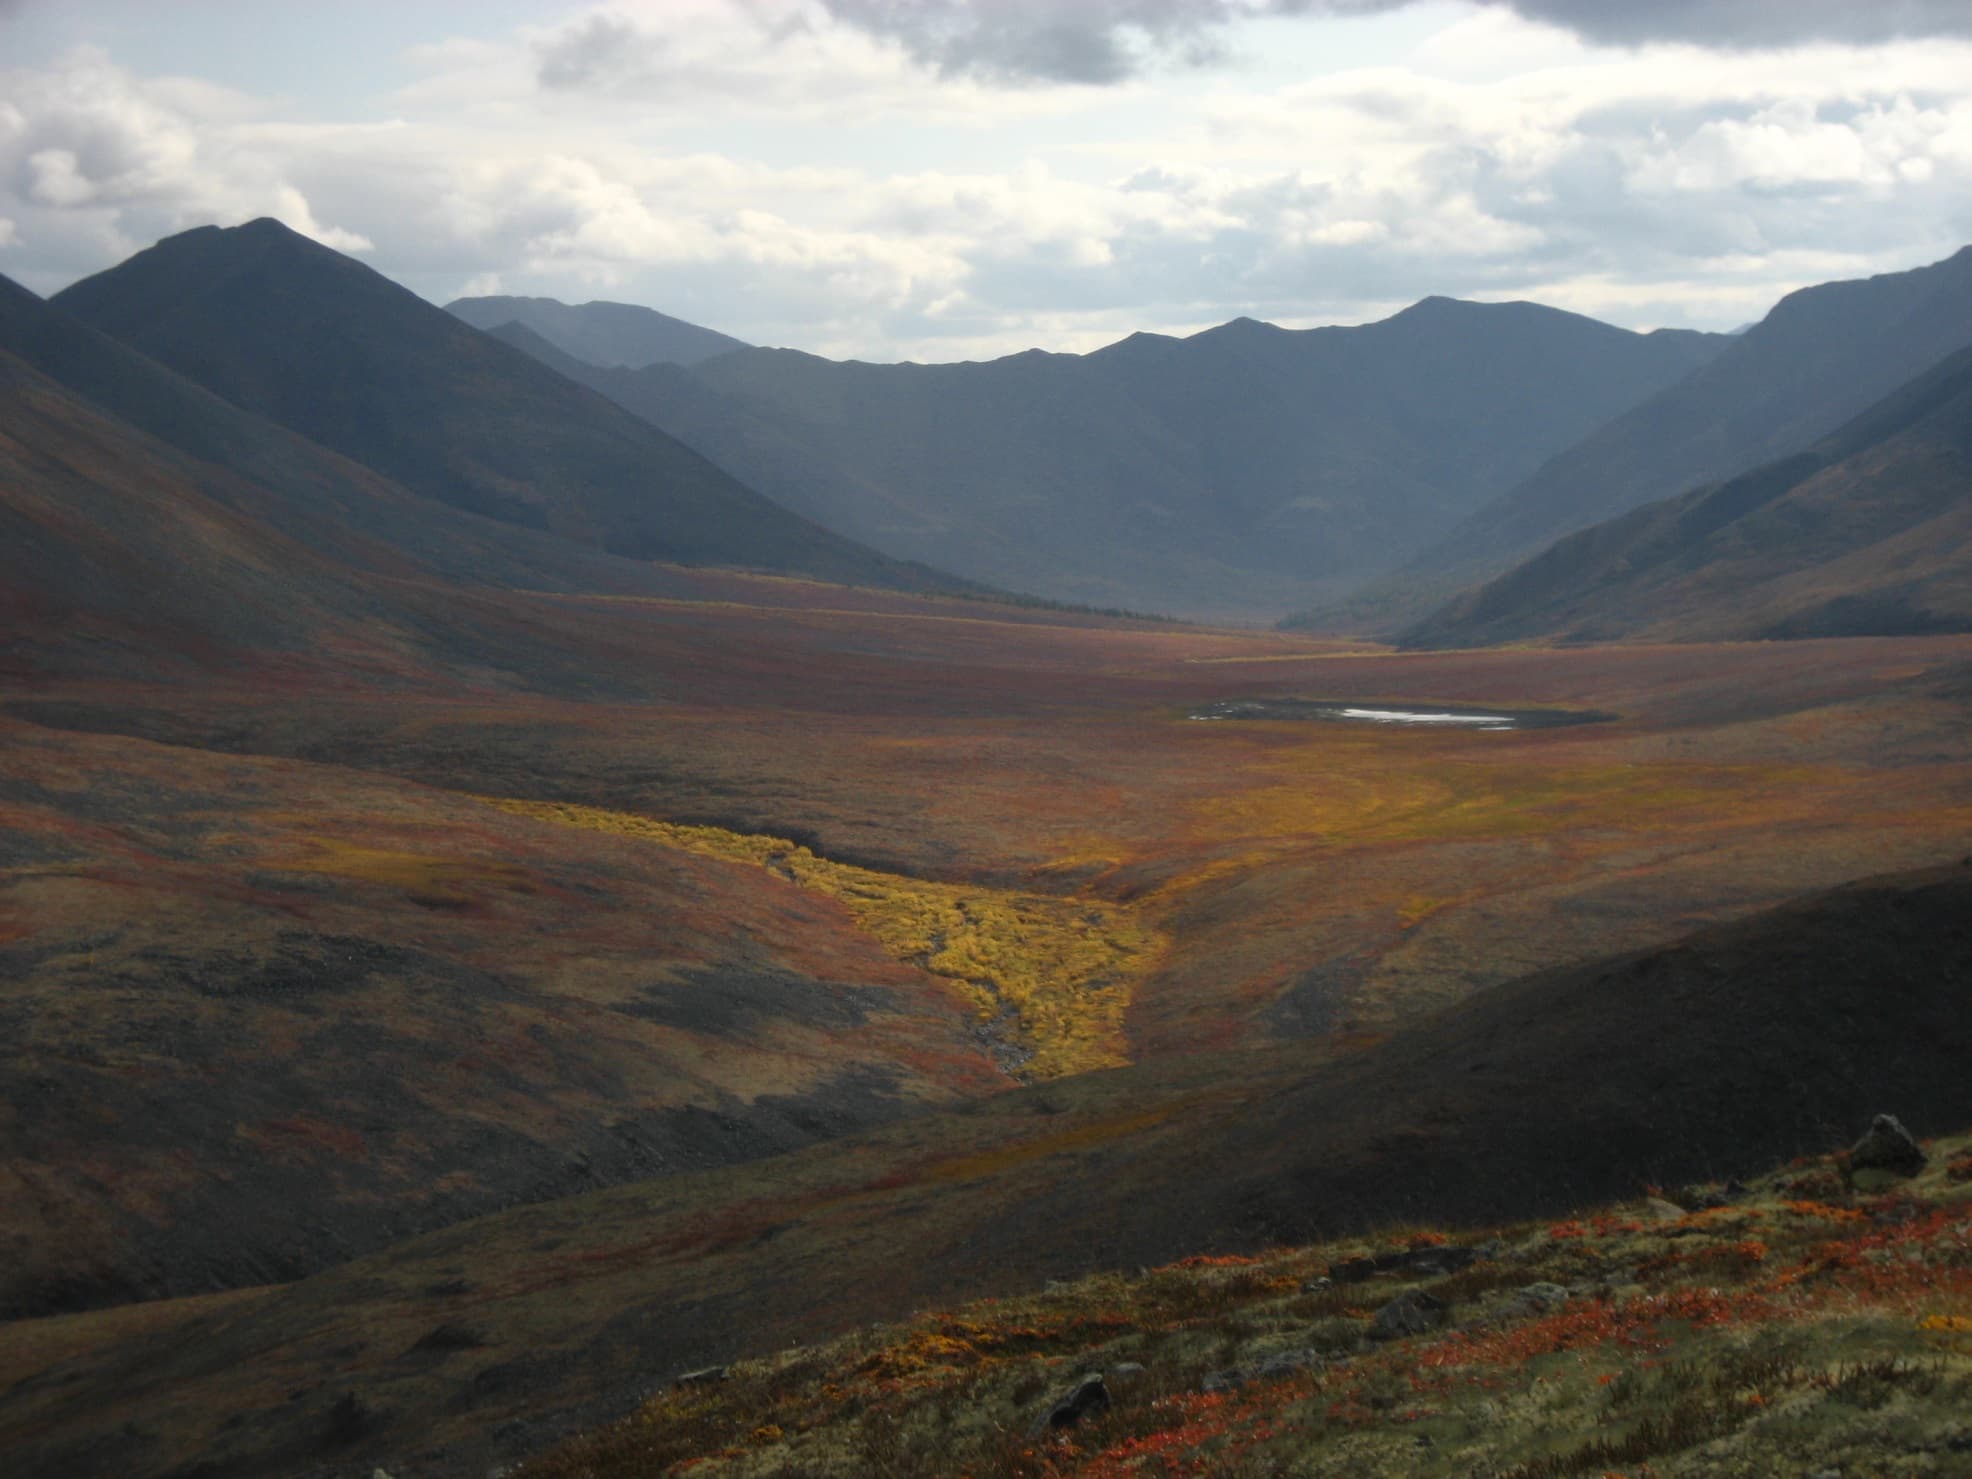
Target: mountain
607	334
1867	533
303	336
289	484
1821	356
1230	474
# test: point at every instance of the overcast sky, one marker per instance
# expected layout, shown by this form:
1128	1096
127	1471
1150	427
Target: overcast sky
950	179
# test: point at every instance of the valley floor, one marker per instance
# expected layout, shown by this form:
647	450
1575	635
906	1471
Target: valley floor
302	966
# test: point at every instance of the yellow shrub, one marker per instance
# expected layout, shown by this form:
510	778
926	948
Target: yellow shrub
1061	969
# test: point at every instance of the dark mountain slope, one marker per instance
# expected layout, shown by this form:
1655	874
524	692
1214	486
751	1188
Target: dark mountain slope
1225	474
1820	357
292	331
114	558
1714	1057
608	334
122	557
1869	533
334	505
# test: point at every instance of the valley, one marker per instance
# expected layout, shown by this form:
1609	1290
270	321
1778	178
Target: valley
801	864
499	917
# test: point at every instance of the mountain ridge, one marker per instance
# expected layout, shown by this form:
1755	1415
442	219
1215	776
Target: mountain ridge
1215	475
315	341
1820	356
1866	533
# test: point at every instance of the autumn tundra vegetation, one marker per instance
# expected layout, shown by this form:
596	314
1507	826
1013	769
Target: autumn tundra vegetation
517	950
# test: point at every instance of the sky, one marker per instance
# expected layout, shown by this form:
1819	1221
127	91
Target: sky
957	179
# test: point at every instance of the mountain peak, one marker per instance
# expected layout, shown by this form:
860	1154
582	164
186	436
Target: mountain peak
298	333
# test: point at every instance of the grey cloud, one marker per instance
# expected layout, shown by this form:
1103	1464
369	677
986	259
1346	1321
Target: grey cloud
1094	41
1106	41
593	54
1751	23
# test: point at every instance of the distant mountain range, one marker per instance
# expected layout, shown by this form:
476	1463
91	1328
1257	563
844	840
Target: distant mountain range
1230	474
305	398
306	338
1868	532
608	334
1822	356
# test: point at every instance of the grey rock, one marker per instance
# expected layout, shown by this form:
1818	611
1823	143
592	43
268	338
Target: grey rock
1419	1262
1090	1395
1413	1312
1286	1363
1887	1146
1268	1368
1316	1285
1538	1299
1659	1210
703	1377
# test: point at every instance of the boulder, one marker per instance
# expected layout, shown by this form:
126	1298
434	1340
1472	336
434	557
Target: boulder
1887	1146
1419	1262
1414	1312
1268	1368
1090	1395
1537	1299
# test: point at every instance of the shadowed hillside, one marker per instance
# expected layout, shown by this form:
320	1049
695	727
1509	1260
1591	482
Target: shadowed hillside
608	334
1868	533
1231	474
285	482
1823	355
1713	1058
295	332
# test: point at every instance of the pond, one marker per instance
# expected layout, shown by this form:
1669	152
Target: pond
1396	713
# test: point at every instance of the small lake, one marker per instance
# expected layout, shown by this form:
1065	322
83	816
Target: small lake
1397	715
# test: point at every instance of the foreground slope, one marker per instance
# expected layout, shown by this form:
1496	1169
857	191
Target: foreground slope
1823	355
608	334
1713	1058
295	332
1867	533
1816	1321
1225	474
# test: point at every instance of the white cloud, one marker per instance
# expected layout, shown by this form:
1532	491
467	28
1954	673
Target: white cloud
94	158
746	164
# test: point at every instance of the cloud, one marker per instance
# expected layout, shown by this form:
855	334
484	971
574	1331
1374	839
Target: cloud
94	159
781	51
737	162
1748	24
1098	41
1109	41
